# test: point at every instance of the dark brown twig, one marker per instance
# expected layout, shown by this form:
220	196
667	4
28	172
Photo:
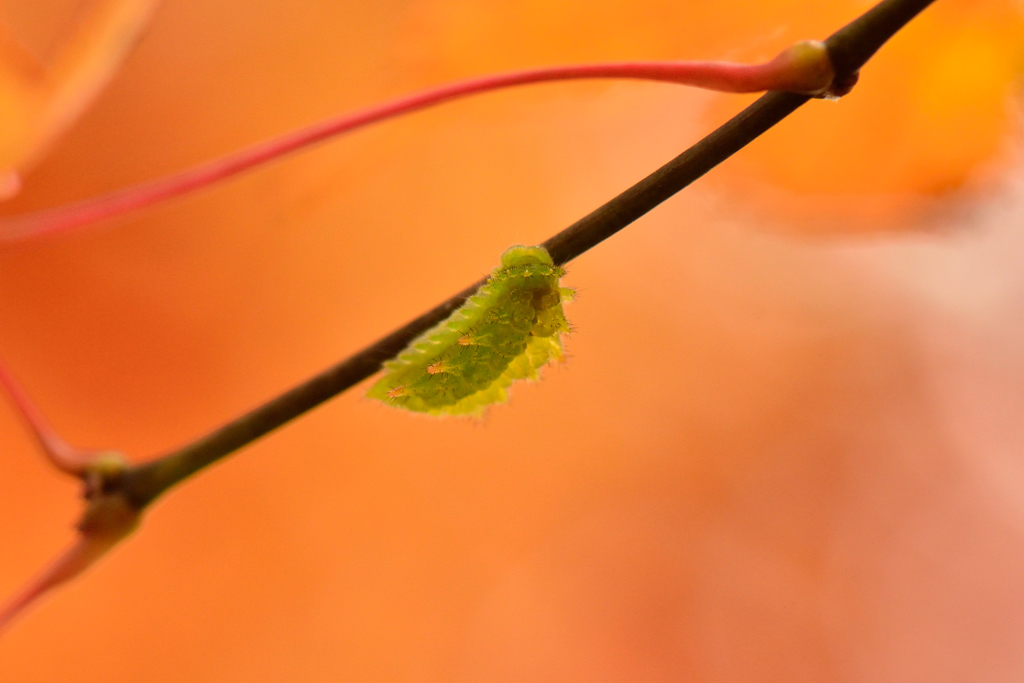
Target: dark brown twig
849	48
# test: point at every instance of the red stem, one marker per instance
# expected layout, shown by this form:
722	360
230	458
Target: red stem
723	76
64	456
76	559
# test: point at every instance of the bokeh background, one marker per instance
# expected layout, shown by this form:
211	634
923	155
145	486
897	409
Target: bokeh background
787	445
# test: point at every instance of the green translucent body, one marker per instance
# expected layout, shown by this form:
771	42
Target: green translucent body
509	329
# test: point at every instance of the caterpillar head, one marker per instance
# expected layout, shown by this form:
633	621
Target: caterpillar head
519	255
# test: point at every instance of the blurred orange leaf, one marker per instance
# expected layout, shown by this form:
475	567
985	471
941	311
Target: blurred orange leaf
40	98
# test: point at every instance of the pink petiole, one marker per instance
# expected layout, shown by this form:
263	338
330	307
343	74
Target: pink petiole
803	68
108	520
76	559
61	454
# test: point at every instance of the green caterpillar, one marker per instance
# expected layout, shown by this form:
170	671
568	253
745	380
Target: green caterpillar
507	331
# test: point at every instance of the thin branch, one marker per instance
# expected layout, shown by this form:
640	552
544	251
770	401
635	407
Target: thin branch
849	48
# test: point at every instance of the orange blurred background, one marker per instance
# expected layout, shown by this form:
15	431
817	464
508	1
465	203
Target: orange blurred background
786	446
